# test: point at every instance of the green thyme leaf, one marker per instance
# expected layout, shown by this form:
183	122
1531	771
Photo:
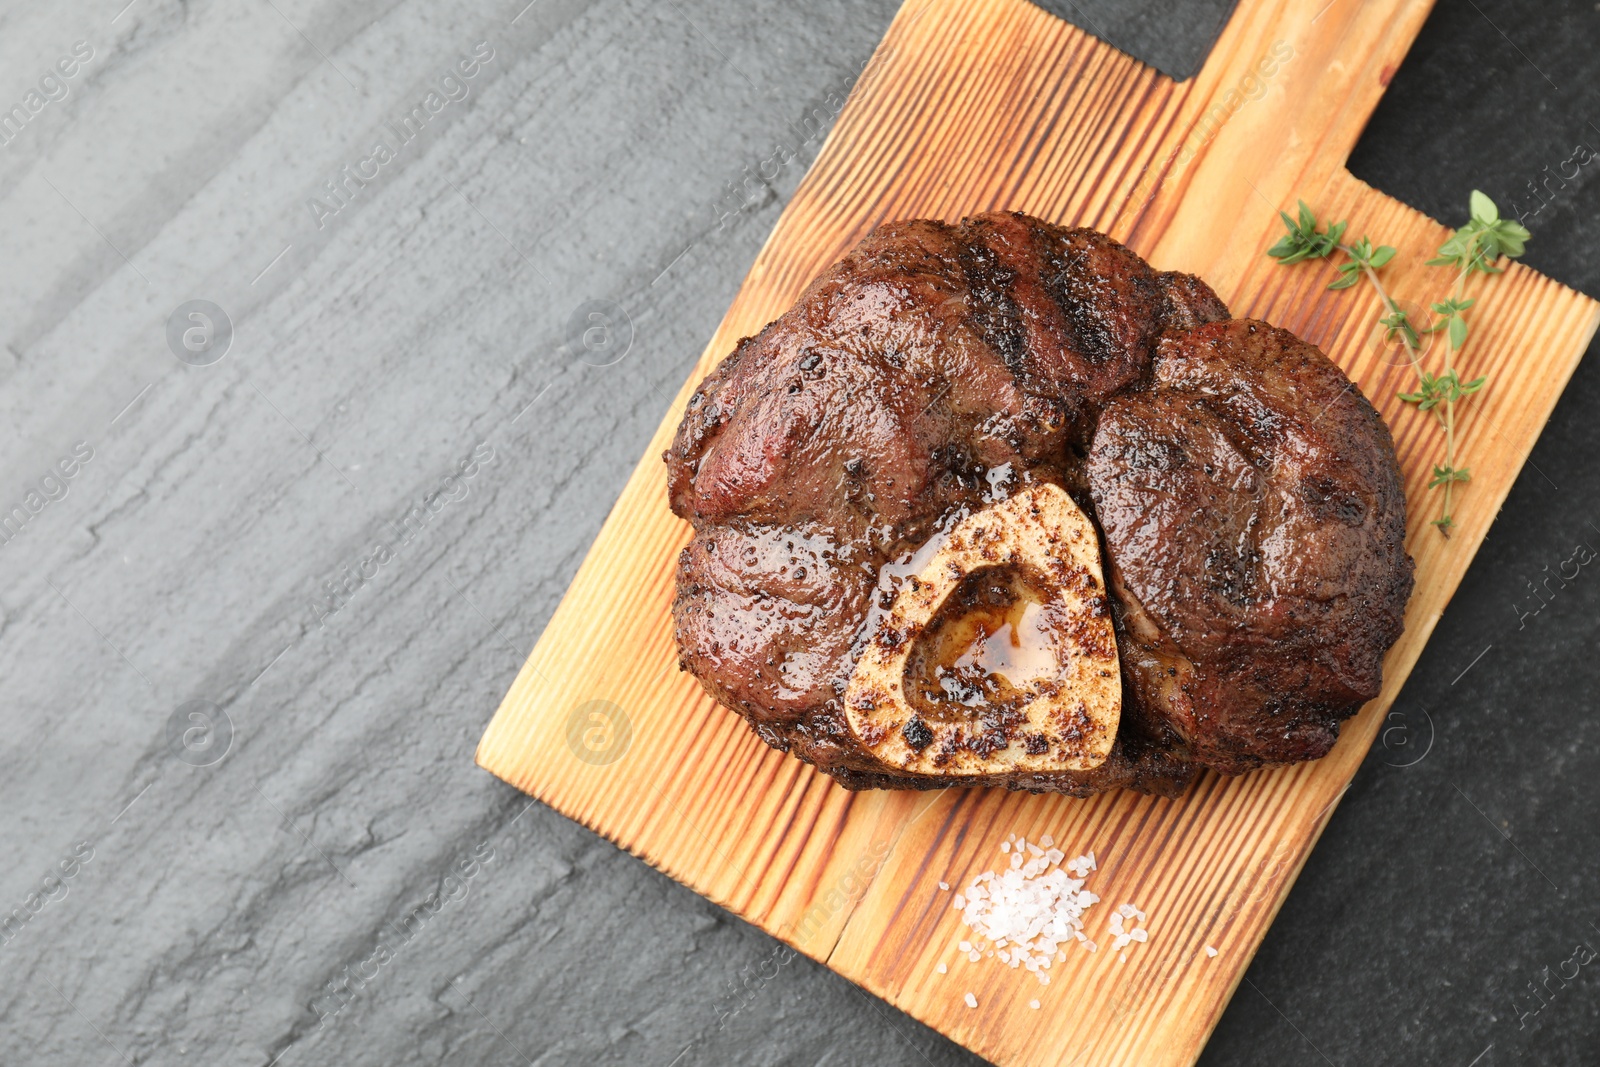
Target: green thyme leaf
1483	209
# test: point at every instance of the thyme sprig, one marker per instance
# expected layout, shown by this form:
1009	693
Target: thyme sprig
1476	248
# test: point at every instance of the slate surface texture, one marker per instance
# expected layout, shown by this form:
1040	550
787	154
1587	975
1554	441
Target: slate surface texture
281	560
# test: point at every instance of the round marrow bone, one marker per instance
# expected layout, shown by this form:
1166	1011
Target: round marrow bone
998	654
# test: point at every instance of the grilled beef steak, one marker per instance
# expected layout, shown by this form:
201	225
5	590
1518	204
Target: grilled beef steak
939	371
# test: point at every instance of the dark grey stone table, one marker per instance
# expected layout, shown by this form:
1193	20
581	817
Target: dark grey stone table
298	461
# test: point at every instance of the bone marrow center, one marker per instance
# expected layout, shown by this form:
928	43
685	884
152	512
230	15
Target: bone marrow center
995	652
988	646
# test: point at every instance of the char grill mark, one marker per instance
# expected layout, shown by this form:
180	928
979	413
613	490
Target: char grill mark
990	302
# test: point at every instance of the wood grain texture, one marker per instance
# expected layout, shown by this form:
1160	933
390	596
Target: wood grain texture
973	107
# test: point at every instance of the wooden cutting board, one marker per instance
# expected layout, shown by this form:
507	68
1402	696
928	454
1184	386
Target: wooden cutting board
975	106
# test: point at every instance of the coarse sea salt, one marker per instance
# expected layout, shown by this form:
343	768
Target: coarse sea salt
1030	909
1121	936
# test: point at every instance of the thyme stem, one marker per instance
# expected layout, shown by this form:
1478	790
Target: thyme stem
1474	248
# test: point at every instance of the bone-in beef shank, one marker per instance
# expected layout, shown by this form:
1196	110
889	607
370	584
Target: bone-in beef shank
938	371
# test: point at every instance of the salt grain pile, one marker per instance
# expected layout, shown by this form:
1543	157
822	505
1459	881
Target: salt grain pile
1027	912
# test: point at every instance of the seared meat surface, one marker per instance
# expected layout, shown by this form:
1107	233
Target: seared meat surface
1253	511
938	370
